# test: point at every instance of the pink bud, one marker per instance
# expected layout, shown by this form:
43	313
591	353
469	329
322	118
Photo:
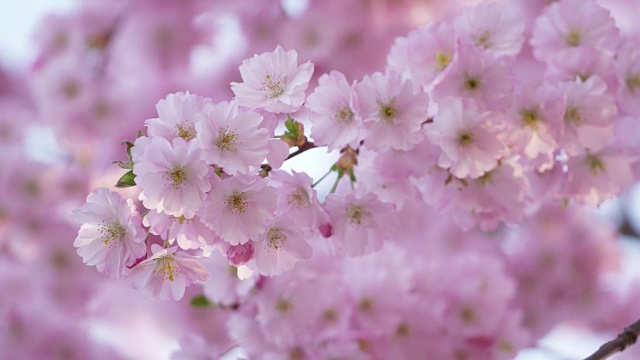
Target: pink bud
240	254
326	230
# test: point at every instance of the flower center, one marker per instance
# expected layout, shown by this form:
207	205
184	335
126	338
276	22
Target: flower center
299	198
572	115
71	89
468	315
465	138
185	131
275	239
485	177
388	111
177	176
111	233
227	140
530	117
484	39
356	214
442	60
574	38
181	220
237	201
283	305
274	85
471	83
167	268
595	164
633	82
344	115
403	330
366	304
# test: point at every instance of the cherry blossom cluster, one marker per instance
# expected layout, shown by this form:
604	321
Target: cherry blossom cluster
465	151
63	113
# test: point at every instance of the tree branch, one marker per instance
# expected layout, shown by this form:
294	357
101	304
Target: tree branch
308	145
626	338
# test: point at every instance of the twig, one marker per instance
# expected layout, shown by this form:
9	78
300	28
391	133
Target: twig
626	338
308	145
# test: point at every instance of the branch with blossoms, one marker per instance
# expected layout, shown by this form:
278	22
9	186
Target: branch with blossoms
458	137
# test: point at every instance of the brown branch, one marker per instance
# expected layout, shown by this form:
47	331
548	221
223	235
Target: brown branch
308	145
626	338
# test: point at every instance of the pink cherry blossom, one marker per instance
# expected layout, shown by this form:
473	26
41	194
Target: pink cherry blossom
167	273
628	75
189	233
177	116
232	138
110	237
238	208
474	74
570	26
281	247
497	196
360	224
392	111
469	139
424	54
334	114
273	81
495	27
173	178
223	286
598	176
537	122
297	199
588	116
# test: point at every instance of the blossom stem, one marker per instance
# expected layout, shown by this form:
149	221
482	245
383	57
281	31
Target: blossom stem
626	338
335	184
322	178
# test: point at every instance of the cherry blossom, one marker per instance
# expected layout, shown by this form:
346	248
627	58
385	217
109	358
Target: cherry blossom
110	237
173	178
282	246
469	139
494	27
231	138
360	224
334	115
588	116
238	208
167	273
476	75
177	116
424	54
392	111
561	31
273	81
189	233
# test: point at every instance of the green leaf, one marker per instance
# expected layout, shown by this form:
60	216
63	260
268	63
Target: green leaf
292	128
200	301
127	180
